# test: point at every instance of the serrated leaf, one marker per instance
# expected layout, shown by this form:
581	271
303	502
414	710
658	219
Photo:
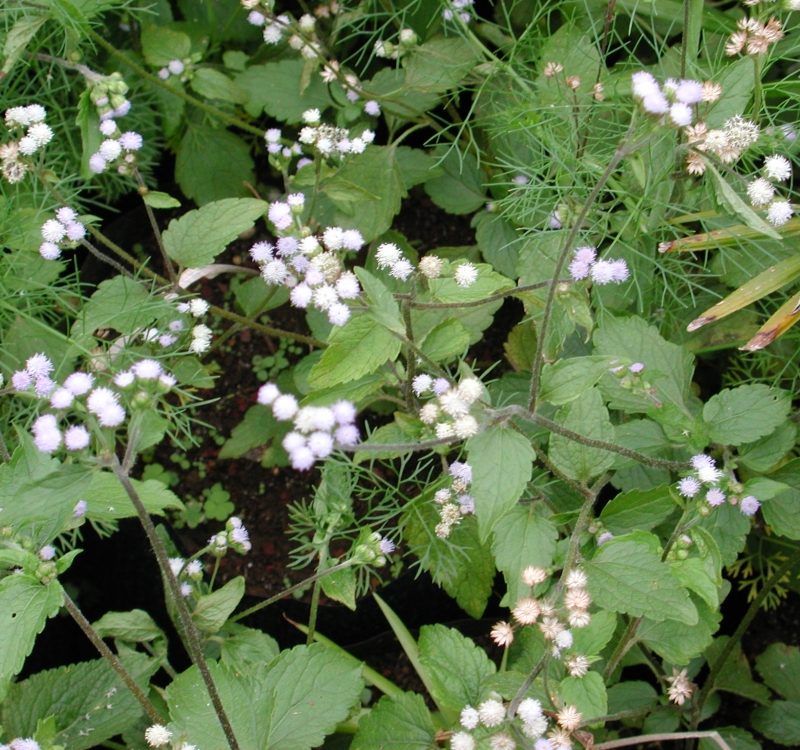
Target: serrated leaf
359	347
213	84
278	89
502	463
25	606
460	189
212	610
729	529
446	341
630	695
779	667
107	500
587	694
213	164
382	305
593	638
257	428
730	199
737	738
522	537
200	235
638	509
400	722
439	64
735	676
157	199
457	669
18	37
292	704
567	379
779	721
627	575
763	455
745	413
244	647
89	699
120	303
677	642
136	626
488	282
341	587
588	416
161	45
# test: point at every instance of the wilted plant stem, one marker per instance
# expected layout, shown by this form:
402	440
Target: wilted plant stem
190	632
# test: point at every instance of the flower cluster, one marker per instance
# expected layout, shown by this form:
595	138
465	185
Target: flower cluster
22	743
317	429
675	99
407	39
753	37
761	190
585	264
680	687
175	68
63	231
118	148
494	724
390	258
449	412
454	501
186	573
372	548
235	536
330	141
200	334
460	9
78	397
33	134
727	143
715	486
310	266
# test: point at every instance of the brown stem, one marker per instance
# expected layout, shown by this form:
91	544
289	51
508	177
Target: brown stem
112	659
190	632
663	737
151	217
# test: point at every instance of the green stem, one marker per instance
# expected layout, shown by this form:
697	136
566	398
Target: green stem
190	632
484	300
731	643
151	217
156	81
312	615
4	454
112	659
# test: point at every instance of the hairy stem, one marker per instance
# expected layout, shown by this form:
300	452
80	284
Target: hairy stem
112	659
151	217
190	632
312	615
643	739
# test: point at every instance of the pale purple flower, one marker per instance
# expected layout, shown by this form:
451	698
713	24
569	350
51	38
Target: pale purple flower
39	365
76	438
749	505
715	496
346	434
688	486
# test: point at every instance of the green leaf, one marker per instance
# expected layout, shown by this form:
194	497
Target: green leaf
212	84
779	667
341	587
18	38
780	510
568	379
90	702
737	739
488	282
638	509
502	463
630	695
627	575
765	454
522	537
460	189
447	340
244	647
292	704
213	164
498	241
382	305
120	303
200	235
415	165
677	642
157	199
745	413
256	429
359	347
278	89
135	626
439	64
737	80
588	416
729	198
212	610
25	606
779	722
587	694
400	722
735	676
593	638
695	575
160	45
107	500
729	528
456	667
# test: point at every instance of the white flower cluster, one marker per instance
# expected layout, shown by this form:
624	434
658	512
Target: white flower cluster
200	334
717	486
493	725
317	429
586	264
277	147
761	191
101	404
407	39
22	743
33	134
63	231
458	9
174	68
186	573
310	267
675	99
330	141
727	143
118	148
449	412
235	536
753	37
390	258
454	501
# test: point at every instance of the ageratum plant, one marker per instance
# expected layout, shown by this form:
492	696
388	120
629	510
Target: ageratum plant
623	460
